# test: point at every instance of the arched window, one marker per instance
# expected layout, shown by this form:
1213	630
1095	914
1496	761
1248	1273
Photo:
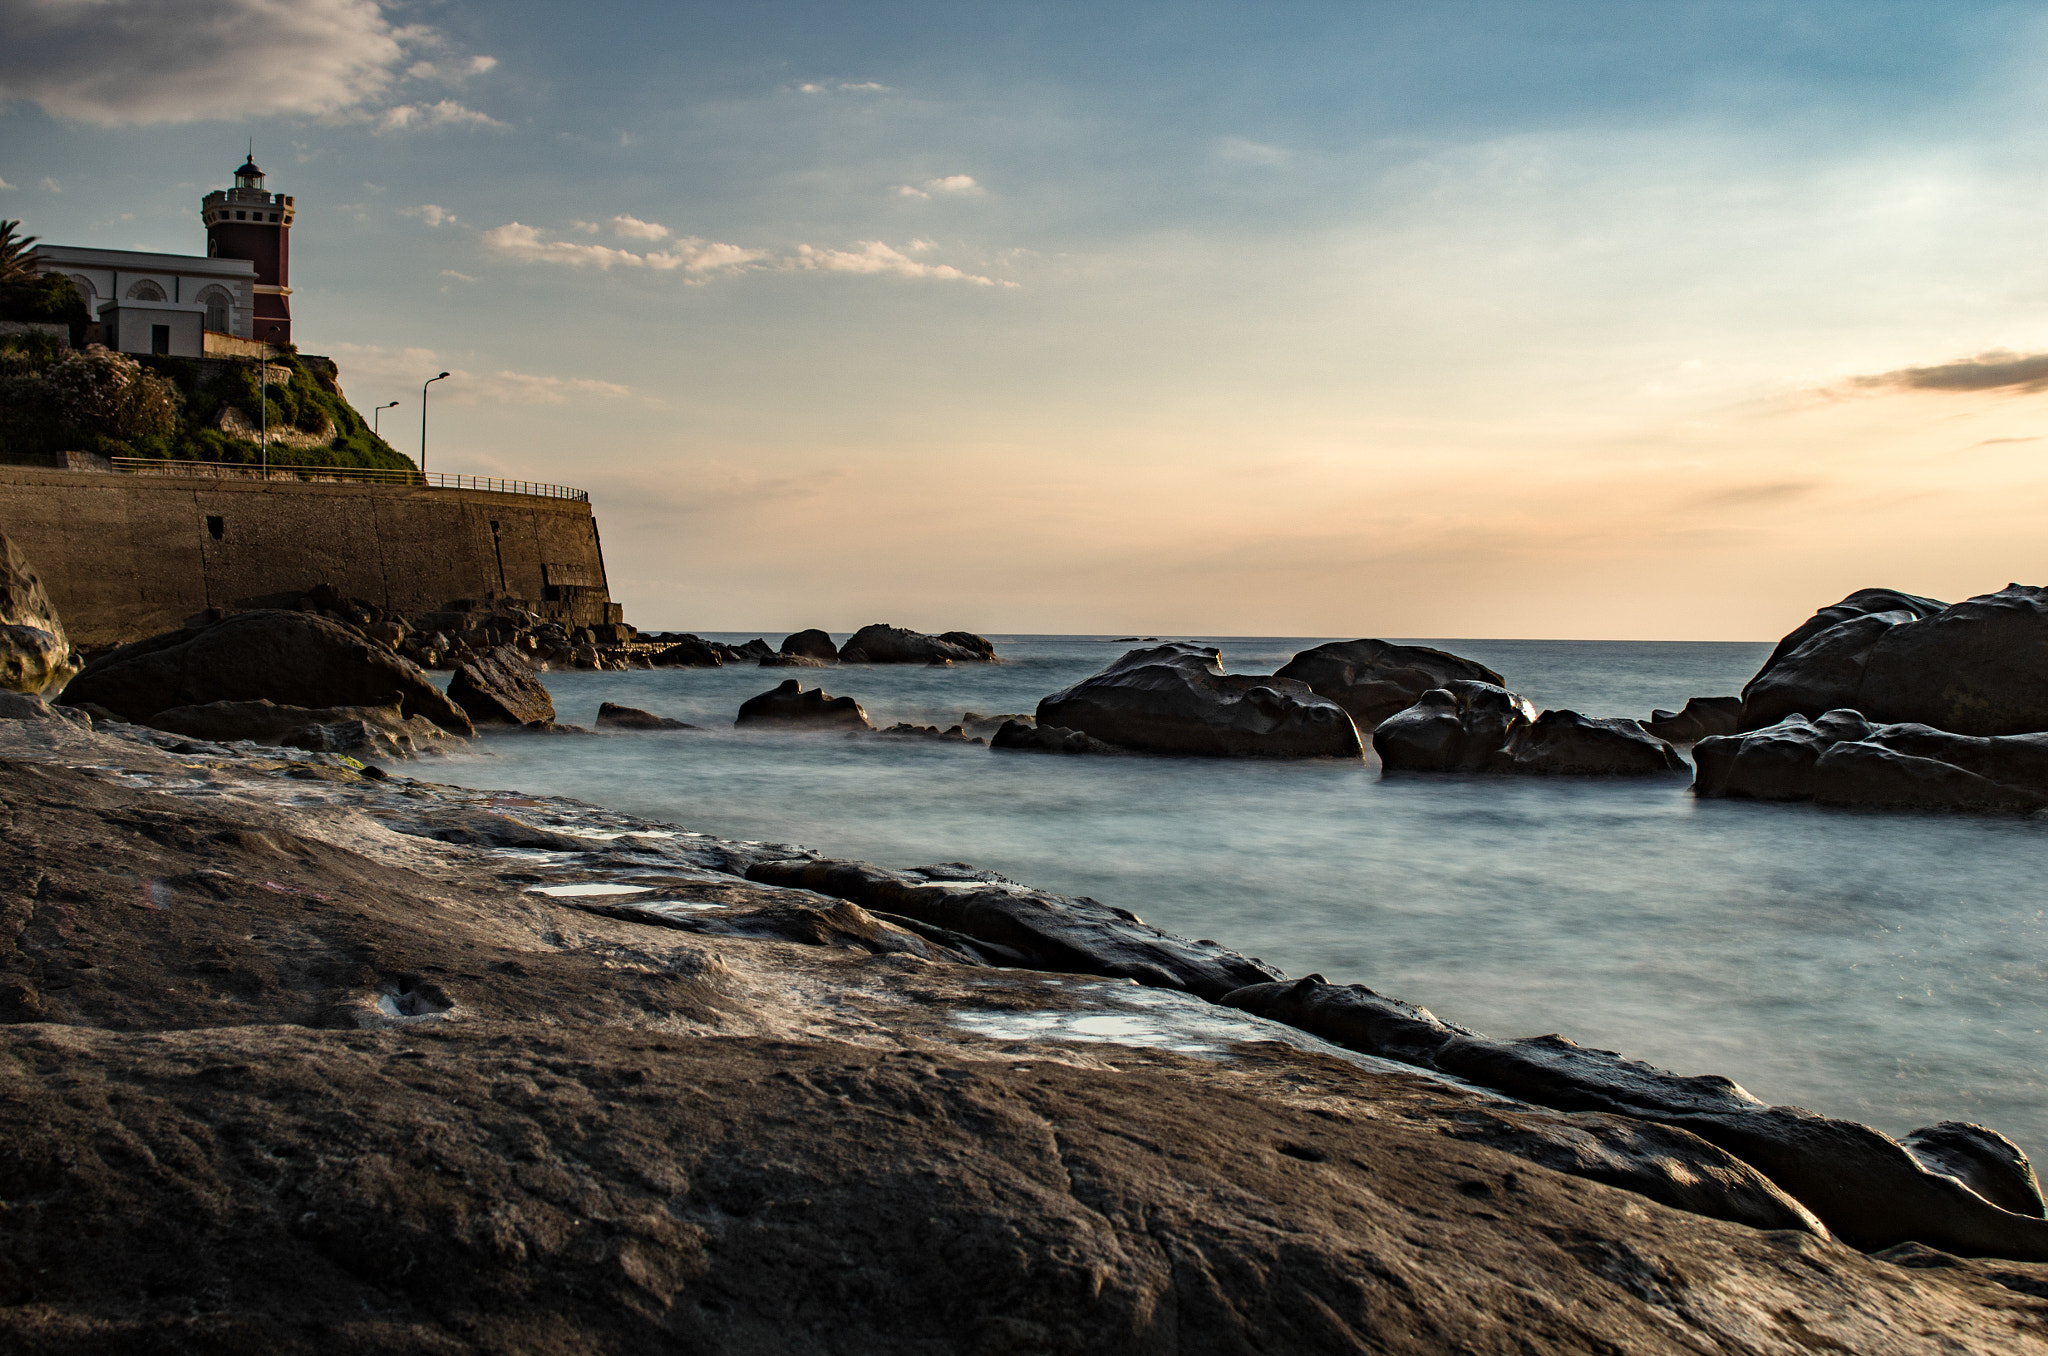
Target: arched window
216	302
85	289
146	291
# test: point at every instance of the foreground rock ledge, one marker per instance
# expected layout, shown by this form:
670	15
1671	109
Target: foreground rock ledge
296	1063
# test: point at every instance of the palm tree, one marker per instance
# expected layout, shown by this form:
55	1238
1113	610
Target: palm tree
14	265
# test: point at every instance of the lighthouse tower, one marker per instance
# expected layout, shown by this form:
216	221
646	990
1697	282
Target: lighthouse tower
245	222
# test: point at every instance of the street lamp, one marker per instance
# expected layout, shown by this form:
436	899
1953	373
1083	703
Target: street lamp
423	420
377	411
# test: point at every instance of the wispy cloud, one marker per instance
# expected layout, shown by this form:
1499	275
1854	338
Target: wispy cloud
843	87
873	256
374	365
459	277
632	228
5	184
691	255
1996	370
1245	151
441	113
701	260
430	214
951	185
49	185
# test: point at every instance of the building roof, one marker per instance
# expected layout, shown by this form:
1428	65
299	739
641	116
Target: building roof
91	256
249	167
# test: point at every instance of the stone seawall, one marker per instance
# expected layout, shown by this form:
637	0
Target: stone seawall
127	556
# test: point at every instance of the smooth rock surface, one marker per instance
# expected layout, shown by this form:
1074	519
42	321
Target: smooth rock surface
614	717
1481	727
1978	667
291	658
1701	717
499	689
1372	679
1843	759
1032	738
690	654
265	722
1176	698
790	704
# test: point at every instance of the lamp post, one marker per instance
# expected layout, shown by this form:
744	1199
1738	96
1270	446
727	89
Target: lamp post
423	420
263	406
373	417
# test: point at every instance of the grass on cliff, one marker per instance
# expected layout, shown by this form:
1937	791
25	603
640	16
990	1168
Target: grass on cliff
57	399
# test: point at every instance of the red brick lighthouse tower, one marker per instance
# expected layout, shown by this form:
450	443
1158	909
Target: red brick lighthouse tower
244	222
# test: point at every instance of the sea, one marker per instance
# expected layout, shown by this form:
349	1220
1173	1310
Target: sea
1881	966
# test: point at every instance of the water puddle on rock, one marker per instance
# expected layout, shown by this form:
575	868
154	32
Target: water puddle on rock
589	888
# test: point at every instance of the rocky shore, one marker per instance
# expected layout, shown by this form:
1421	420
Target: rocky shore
304	1057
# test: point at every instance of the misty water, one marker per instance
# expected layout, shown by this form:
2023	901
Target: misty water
1889	967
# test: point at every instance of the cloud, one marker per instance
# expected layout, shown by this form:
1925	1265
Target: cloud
843	86
430	214
1998	370
441	113
404	368
49	185
693	256
5	184
112	63
1744	496
873	256
459	277
632	228
1244	151
951	185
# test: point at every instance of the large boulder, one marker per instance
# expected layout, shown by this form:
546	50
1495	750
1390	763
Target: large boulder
1842	758
880	644
611	717
790	705
1372	679
35	654
1978	667
690	653
499	689
1176	698
811	644
291	658
1470	726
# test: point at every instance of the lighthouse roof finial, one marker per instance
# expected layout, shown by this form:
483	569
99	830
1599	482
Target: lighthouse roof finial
248	168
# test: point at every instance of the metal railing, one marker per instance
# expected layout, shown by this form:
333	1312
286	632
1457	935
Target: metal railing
371	475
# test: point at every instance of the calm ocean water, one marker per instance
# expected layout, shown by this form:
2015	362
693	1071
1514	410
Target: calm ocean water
1888	967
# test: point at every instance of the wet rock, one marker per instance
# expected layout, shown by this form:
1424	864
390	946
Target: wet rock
612	717
1978	667
977	724
882	644
35	654
1073	935
1702	717
288	657
952	734
794	661
1176	699
811	644
1862	1184
690	653
396	734
1983	1160
1372	679
499	689
1481	727
1843	759
1019	735
356	737
791	705
967	640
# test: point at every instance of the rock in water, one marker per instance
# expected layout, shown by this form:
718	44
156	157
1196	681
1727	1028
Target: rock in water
690	653
880	644
35	654
789	704
1373	679
291	658
1019	734
499	689
1176	698
811	644
1482	727
1844	759
1978	667
610	717
1701	718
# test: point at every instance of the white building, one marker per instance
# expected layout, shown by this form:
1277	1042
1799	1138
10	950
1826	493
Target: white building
159	303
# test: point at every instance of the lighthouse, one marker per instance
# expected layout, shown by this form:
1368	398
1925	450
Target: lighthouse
247	222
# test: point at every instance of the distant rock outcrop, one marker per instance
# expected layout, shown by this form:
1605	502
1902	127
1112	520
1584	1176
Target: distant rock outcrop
1372	679
291	658
881	644
690	653
35	654
1482	727
790	705
1176	698
499	689
811	644
1978	667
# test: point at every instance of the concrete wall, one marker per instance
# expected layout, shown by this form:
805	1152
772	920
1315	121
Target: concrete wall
127	556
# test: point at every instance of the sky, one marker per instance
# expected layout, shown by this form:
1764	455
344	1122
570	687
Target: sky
1570	320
